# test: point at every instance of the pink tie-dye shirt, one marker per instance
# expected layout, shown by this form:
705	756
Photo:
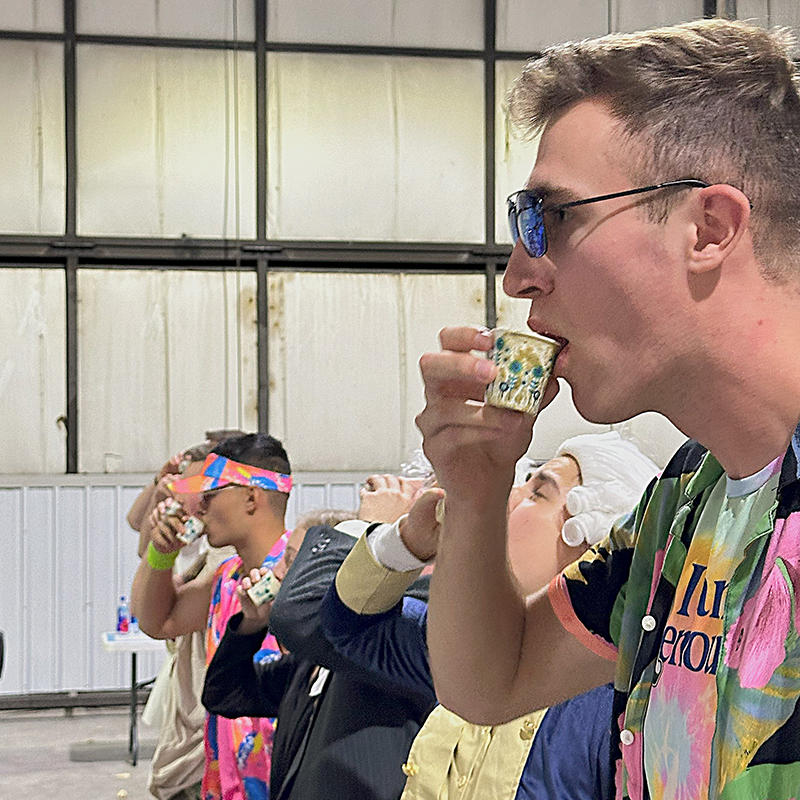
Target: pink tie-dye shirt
238	751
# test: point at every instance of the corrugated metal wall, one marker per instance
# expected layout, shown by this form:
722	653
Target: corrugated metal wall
68	554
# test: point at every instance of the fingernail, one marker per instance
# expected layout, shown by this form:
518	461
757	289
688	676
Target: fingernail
486	335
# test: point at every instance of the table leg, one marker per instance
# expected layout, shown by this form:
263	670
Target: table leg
133	736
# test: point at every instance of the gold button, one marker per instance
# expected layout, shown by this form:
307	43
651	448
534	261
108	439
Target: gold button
462	781
528	730
409	769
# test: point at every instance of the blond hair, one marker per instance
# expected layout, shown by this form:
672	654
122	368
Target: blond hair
712	99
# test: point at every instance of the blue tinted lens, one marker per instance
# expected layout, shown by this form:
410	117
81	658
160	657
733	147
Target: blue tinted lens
531	226
512	221
525	219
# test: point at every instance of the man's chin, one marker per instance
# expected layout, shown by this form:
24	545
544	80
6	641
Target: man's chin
211	537
598	410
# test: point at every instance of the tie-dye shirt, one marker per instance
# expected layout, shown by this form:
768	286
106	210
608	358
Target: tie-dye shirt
238	751
679	726
623	598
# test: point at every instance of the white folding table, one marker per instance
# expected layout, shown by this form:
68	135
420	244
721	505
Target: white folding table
132	643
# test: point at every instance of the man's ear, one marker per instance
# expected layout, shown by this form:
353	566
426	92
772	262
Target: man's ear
722	219
252	500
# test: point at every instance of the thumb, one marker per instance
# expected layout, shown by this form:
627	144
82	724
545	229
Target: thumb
423	512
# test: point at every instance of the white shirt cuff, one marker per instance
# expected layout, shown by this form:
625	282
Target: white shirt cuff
388	550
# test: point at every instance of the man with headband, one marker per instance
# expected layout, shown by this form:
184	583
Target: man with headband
245	485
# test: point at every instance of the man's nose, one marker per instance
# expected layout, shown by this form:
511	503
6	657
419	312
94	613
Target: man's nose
527	277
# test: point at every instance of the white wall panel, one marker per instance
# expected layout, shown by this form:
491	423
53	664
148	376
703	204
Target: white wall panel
532	25
514	156
344	380
634	15
374	148
73	600
68	556
202	19
32	370
32	137
39	570
158	151
411	23
42	16
13	589
164	356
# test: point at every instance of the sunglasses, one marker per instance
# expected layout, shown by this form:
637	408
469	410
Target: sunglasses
526	211
206	496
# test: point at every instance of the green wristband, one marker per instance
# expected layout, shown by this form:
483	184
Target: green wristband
160	561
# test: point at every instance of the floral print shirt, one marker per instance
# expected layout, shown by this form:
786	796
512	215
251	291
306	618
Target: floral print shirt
619	598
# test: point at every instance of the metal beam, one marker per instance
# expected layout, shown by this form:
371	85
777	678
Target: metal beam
261	119
70	119
490	301
262	342
489	91
72	422
125	253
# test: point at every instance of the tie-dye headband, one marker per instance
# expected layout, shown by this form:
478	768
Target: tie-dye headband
219	471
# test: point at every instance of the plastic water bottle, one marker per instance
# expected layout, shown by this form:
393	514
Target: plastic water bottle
123	615
134	625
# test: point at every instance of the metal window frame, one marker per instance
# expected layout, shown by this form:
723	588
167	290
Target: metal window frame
71	252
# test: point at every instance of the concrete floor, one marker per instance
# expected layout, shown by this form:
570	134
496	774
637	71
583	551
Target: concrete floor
35	755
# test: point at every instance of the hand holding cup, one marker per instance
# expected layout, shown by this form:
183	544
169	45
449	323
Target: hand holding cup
255	617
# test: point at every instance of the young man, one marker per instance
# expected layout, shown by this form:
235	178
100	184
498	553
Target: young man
244	484
561	754
683	299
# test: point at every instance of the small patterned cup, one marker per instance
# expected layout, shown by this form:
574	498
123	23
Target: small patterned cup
192	528
524	364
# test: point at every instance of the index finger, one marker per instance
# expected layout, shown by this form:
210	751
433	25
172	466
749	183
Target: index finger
456	374
465	338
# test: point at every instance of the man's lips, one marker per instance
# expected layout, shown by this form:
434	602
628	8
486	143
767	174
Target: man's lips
543	331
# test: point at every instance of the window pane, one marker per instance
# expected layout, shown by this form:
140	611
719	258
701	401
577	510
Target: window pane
202	19
413	23
32	373
158	150
344	348
372	148
41	16
514	157
784	12
532	25
769	13
32	138
633	15
164	356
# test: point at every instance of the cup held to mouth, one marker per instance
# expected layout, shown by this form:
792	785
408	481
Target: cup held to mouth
524	364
